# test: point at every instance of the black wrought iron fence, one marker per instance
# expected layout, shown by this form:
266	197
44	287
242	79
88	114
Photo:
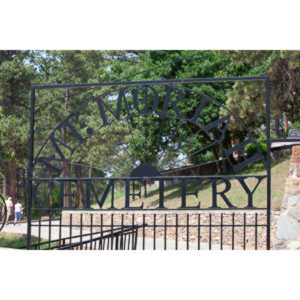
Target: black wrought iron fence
116	238
152	231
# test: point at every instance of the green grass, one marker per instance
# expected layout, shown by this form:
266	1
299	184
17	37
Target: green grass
119	194
236	194
16	240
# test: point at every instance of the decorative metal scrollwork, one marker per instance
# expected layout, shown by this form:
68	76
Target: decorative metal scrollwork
3	212
126	103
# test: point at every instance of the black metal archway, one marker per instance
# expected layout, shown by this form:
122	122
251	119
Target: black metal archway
127	104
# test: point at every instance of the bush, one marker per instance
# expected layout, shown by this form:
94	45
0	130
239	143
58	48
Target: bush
251	149
263	147
201	158
207	157
296	125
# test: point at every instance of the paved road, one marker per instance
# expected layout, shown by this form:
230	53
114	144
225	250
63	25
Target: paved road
45	233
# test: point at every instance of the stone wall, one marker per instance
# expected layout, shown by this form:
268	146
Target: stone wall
251	237
288	229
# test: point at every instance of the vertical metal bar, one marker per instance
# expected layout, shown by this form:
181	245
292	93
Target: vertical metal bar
143	231
91	231
59	232
112	193
154	231
117	242
255	231
122	234
50	224
187	231
30	167
108	243
133	191
145	189
136	232
176	234
80	231
129	238
127	193
232	234
209	241
132	223
199	229
101	230
70	228
161	194
183	193
125	239
268	237
165	233
221	233
244	243
39	235
112	232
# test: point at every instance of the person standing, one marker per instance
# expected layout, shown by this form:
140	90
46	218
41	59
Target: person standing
9	206
18	211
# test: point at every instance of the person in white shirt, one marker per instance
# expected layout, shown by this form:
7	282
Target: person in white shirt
18	211
9	206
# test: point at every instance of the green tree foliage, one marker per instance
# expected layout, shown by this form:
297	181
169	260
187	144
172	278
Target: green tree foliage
166	140
164	143
15	79
248	100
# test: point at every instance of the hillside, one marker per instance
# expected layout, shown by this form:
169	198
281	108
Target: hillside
236	194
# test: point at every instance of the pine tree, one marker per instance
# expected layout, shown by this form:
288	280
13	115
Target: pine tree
16	76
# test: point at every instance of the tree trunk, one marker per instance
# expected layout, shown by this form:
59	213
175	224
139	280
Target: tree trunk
24	182
5	179
51	188
67	185
216	155
50	198
4	186
285	123
277	126
13	182
79	191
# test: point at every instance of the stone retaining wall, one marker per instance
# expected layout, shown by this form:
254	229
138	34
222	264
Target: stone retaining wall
255	236
288	230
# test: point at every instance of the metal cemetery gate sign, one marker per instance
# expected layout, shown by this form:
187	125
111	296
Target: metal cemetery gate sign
70	224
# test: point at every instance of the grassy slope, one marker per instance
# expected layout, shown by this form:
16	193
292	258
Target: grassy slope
14	240
236	194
